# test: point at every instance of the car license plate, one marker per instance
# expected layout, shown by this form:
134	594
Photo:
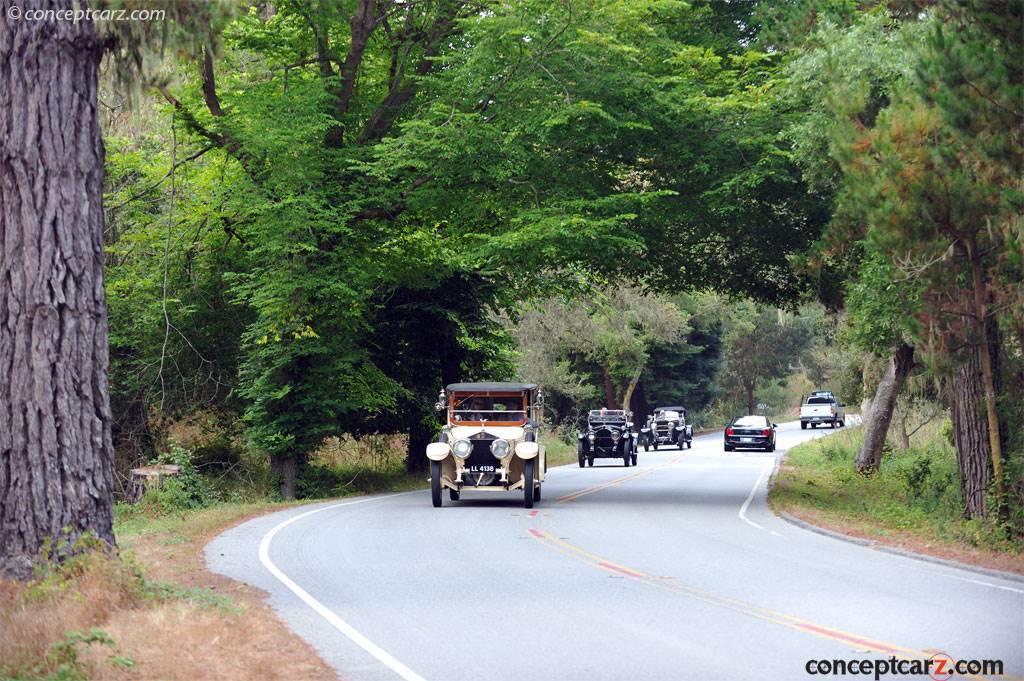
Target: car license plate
746	439
481	469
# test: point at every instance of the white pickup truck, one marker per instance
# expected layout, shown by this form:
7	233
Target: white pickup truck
822	407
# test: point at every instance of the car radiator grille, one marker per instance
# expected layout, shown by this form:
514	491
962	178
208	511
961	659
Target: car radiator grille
481	457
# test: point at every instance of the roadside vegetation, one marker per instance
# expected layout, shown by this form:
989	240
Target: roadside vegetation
913	502
151	609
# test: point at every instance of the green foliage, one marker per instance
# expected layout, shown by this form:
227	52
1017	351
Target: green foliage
760	345
915	491
203	598
63	661
186	490
331	255
64	562
686	372
881	306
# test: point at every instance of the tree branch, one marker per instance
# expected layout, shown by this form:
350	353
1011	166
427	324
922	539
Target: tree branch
402	90
156	184
362	22
209	85
392	212
222	140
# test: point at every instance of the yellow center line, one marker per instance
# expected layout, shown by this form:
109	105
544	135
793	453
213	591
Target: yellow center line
572	496
735	605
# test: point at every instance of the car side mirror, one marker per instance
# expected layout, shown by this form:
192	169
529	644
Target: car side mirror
775	425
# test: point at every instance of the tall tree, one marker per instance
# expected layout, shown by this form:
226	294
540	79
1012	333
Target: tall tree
761	344
614	331
880	321
55	442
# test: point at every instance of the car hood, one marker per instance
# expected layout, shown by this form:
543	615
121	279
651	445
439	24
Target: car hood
504	432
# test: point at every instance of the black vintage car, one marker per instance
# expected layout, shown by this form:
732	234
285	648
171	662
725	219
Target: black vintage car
667	426
609	435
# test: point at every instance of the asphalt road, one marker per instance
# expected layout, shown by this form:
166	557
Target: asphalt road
675	569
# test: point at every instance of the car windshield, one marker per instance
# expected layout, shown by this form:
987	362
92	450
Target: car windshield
668	415
607	415
751	422
479	408
819	400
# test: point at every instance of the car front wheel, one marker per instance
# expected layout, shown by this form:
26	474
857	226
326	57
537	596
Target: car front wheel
634	459
528	483
435	483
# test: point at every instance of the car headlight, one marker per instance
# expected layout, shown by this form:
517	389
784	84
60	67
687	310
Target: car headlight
590	436
462	448
616	435
499	448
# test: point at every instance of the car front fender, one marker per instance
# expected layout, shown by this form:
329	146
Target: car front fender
527	450
438	451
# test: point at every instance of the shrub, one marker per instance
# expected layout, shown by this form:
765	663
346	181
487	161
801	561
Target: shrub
184	491
217	455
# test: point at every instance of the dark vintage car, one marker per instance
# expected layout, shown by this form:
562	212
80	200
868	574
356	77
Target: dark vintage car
489	442
667	426
750	432
609	435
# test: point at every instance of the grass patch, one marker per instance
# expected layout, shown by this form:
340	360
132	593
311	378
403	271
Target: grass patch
149	610
913	500
559	452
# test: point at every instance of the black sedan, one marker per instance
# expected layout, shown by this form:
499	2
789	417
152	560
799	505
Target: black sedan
750	432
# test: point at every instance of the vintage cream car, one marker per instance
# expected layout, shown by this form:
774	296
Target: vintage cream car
489	441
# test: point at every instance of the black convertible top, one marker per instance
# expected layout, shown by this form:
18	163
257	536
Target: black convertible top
680	408
489	387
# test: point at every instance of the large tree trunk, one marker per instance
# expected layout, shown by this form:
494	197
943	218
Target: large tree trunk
749	387
970	432
628	397
55	448
289	471
609	389
285	467
877	425
988	380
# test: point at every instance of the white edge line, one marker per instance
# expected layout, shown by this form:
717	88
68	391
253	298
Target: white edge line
341	625
750	497
978	581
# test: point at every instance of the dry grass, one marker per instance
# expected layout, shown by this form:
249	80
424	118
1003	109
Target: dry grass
374	452
36	617
154	612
